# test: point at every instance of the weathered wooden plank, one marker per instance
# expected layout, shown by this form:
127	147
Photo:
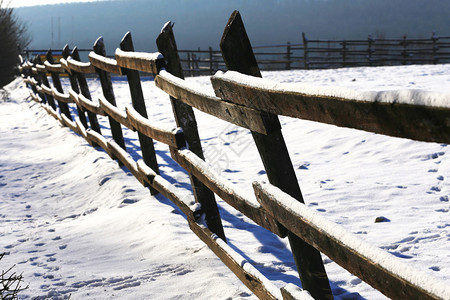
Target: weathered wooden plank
65	98
172	137
147	172
81	128
431	124
114	112
185	202
238	56
293	292
63	107
50	67
224	189
41	68
53	113
80	67
185	118
125	158
35	97
74	87
46	90
90	105
251	277
71	124
42	80
33	81
230	112
383	271
140	61
108	93
104	63
65	65
97	139
84	90
137	99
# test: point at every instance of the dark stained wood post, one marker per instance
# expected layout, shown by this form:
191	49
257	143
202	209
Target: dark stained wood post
344	53
435	47
238	56
137	99
305	51
288	56
74	86
84	88
370	41
108	92
43	76
211	71
185	118
64	107
37	77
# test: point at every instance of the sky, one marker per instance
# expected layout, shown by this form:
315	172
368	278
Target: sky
23	3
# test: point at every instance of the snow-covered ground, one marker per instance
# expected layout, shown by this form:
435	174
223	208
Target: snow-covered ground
75	223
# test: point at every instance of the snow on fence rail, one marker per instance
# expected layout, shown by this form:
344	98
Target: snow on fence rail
249	102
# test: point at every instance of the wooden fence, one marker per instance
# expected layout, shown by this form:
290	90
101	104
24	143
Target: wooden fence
243	101
327	54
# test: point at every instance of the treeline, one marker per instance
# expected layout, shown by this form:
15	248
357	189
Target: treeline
267	21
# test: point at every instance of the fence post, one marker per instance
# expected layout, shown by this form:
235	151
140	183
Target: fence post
74	86
404	51
305	51
369	49
211	72
64	107
344	53
44	79
185	118
434	40
137	99
288	56
37	76
108	92
238	56
84	89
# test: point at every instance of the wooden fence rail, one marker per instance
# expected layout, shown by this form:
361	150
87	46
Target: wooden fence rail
243	100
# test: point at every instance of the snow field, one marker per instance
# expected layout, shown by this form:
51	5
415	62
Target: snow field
75	223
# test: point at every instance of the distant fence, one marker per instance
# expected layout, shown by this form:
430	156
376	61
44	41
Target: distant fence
327	54
242	100
320	54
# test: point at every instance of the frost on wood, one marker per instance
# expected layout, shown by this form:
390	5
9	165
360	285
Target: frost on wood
410	96
373	255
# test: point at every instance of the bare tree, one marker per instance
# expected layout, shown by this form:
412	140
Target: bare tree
10	283
13	38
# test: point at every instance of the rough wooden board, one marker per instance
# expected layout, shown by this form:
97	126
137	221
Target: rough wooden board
57	68
338	246
61	97
253	283
230	112
115	113
140	61
90	105
185	118
171	137
422	123
80	67
238	56
108	92
104	63
225	190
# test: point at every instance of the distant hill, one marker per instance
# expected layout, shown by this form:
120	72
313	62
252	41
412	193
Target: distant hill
200	23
